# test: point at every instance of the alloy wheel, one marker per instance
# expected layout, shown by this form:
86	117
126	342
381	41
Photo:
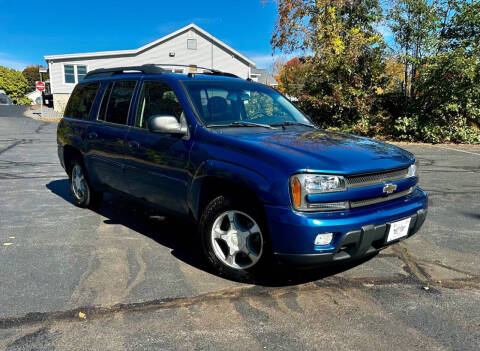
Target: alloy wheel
78	182
237	240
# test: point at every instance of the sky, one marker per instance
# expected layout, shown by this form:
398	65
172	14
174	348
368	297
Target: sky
31	30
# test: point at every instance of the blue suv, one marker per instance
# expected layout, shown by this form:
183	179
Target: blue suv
259	179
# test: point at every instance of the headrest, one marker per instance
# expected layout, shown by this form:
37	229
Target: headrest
217	105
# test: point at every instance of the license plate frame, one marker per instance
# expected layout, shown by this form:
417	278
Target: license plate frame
398	230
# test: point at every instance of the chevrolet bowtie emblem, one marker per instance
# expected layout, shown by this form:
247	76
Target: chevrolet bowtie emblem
389	188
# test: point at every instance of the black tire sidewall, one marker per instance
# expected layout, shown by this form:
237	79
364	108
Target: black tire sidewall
85	202
218	206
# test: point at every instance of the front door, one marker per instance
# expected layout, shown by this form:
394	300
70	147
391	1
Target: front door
156	163
106	137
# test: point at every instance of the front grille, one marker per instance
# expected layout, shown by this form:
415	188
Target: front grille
345	205
360	180
379	199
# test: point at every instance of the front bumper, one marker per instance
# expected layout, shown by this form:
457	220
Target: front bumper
357	233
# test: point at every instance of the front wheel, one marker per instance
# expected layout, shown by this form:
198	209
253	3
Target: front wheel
234	238
82	193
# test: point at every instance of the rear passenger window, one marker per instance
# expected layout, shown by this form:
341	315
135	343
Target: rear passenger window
81	100
156	98
116	102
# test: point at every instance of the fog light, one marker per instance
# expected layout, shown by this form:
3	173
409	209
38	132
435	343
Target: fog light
324	239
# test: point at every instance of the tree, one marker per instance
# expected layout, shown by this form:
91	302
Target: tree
343	70
32	75
414	24
439	48
15	85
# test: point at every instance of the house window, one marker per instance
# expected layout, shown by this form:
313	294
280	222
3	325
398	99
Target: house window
192	44
74	73
81	73
69	74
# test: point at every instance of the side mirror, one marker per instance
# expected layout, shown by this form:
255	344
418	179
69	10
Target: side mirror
165	124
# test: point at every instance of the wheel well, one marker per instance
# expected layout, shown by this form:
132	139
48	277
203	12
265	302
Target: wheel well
214	186
70	153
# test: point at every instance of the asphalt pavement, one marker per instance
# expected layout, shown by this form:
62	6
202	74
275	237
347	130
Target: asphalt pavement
124	278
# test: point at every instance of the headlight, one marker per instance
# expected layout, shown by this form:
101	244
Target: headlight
303	184
413	170
321	183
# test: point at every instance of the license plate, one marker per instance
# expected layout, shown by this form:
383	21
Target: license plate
398	229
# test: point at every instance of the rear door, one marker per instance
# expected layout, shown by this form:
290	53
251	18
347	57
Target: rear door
156	164
72	129
106	137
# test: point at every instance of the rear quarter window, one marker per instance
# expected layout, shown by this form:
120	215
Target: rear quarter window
81	100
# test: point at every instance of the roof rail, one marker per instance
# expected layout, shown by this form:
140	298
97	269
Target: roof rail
213	72
154	69
106	72
209	71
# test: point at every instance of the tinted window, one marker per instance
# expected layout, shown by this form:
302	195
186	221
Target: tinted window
115	108
81	100
103	107
69	73
156	98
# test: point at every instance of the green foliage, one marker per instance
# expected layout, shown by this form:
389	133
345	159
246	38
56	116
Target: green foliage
427	89
15	85
336	83
260	105
32	75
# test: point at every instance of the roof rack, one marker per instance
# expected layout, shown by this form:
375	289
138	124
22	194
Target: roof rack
106	72
211	71
154	69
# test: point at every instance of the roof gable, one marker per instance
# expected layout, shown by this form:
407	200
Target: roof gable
150	45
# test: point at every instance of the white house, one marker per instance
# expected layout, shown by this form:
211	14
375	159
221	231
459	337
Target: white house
191	46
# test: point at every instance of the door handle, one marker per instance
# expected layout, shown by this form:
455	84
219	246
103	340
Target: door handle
92	135
133	145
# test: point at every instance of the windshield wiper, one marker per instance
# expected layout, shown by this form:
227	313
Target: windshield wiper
292	123
242	124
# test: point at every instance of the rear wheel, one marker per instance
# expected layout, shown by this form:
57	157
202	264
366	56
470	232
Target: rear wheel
234	238
82	192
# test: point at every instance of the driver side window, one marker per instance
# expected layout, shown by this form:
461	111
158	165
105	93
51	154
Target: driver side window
156	98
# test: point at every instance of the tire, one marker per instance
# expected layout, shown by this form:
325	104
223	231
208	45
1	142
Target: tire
248	234
82	192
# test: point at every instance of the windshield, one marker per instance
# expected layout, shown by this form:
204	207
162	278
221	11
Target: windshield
223	103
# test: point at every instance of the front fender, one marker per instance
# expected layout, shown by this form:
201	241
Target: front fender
240	175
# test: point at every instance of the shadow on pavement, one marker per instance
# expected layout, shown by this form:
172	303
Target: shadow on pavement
181	237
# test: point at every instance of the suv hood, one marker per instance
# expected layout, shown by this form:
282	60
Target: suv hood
326	151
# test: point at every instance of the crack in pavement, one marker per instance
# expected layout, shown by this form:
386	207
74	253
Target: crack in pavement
40	127
418	277
11	146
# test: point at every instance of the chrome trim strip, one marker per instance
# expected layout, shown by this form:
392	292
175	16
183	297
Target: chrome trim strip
362	180
346	205
380	199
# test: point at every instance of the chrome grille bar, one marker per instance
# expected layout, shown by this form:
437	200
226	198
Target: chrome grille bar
361	180
345	205
379	199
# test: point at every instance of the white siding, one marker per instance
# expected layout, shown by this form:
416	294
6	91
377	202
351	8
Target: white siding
208	54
